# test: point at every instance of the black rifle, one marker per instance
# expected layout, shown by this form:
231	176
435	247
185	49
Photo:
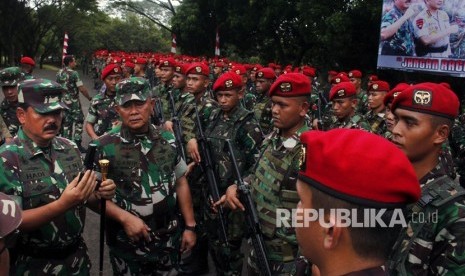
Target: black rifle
177	128
212	178
89	164
158	111
251	217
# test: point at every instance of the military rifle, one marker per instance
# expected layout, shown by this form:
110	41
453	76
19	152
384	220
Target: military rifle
212	178
251	216
177	128
158	111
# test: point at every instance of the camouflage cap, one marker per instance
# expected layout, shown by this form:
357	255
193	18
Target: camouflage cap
130	89
10	76
41	94
10	217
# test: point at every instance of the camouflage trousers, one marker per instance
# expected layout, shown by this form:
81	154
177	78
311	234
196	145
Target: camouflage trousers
129	266
73	121
77	263
228	258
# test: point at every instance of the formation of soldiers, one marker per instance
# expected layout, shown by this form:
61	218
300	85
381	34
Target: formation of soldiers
181	134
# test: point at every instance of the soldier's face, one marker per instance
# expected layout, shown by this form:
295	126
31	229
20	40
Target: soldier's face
375	99
228	99
434	4
10	93
355	81
217	70
166	74
111	81
196	83
307	236
41	128
402	4
343	108
179	81
413	134
136	114
262	85
287	113
389	118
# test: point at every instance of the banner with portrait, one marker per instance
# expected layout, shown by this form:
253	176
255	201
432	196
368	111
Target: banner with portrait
423	35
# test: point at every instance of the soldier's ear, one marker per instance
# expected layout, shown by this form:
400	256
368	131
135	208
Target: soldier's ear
441	134
21	114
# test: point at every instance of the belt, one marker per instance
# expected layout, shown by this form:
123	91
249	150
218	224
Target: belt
59	253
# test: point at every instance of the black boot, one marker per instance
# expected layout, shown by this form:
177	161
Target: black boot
80	147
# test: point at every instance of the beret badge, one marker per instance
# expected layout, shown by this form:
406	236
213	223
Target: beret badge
198	69
166	63
115	69
341	93
395	94
286	87
178	69
260	74
351	74
337	80
422	97
228	83
238	72
375	86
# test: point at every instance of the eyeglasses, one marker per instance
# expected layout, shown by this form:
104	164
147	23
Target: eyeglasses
10	240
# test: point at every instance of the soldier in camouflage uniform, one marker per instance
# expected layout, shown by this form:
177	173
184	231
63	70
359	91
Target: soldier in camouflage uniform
264	79
144	232
274	177
27	66
363	184
457	142
376	117
457	40
102	116
9	79
161	91
355	77
74	118
434	245
230	121
344	105
40	172
397	34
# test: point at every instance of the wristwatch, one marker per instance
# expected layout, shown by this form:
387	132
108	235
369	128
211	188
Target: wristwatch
191	228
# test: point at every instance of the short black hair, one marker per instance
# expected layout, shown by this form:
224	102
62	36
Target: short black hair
368	242
68	59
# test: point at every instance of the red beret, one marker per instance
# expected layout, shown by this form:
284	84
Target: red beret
198	68
129	64
218	64
181	68
382	180
309	71
228	81
140	60
266	73
431	98
167	62
239	69
116	60
340	78
373	77
379	86
395	92
355	74
342	90
332	73
27	60
257	67
291	85
111	69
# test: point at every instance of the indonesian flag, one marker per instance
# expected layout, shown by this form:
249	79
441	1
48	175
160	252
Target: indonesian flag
173	44
65	47
217	44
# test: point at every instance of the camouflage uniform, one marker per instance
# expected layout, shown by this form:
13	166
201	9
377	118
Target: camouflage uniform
402	42
262	111
437	246
377	122
242	128
34	177
10	76
145	170
362	105
70	80
356	122
457	142
273	186
4	133
102	113
161	93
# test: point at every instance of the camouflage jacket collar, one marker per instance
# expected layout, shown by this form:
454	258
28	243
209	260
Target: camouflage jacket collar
129	137
31	149
278	142
436	172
